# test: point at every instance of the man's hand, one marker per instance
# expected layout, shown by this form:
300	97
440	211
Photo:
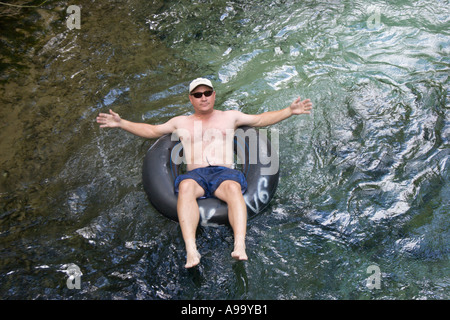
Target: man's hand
111	120
301	107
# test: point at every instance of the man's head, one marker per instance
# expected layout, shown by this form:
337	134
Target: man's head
202	95
198	82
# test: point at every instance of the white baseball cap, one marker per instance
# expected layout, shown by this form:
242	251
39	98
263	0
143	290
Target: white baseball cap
200	82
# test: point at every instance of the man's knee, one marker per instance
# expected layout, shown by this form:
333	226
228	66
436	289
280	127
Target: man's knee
189	187
230	188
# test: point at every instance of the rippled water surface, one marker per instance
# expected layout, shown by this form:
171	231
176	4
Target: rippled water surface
364	180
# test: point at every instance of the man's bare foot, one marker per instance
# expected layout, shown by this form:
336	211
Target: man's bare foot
239	253
193	259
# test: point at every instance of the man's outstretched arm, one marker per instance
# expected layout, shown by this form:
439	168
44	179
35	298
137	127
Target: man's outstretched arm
271	117
145	130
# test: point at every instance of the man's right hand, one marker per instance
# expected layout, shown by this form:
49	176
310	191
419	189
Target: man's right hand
111	120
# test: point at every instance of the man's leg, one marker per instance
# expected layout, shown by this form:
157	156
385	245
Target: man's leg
230	192
189	216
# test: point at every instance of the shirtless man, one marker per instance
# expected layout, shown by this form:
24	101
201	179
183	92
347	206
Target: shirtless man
203	165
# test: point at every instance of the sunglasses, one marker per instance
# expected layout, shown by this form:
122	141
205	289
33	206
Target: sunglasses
198	95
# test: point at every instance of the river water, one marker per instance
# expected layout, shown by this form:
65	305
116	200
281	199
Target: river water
364	182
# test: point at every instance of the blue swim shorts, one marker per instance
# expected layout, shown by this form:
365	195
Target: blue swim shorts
209	178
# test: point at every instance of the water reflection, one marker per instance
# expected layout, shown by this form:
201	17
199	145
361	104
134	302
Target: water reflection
364	180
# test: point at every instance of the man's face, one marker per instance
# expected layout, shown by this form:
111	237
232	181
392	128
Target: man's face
203	104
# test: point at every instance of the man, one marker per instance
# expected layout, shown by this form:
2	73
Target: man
209	173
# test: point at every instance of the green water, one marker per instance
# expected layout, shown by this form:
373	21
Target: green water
364	180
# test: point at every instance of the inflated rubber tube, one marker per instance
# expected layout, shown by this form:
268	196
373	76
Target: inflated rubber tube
162	165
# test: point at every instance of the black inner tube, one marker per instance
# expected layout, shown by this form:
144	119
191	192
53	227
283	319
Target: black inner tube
163	163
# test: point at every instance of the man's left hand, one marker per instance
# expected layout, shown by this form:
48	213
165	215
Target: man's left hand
301	107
